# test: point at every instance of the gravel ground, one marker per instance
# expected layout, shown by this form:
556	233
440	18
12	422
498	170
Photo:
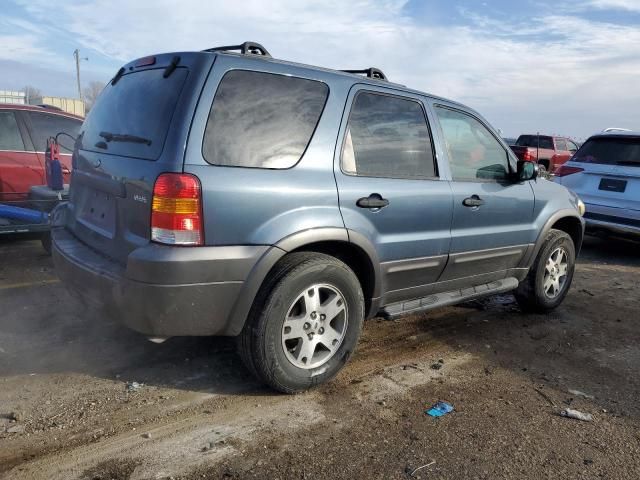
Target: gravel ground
82	397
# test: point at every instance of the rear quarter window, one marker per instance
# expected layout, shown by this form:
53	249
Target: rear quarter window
262	120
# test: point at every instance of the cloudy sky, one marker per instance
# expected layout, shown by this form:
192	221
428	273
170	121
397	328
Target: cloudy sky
569	67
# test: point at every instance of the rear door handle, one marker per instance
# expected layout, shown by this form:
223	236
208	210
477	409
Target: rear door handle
374	200
473	201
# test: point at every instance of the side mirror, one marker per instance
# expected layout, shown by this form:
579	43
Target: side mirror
527	171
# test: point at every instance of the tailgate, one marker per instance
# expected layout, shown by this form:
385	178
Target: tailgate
611	172
136	130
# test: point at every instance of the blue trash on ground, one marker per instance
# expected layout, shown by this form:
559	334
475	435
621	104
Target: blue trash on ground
439	409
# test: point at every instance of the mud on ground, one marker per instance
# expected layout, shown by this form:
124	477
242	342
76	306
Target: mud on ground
69	409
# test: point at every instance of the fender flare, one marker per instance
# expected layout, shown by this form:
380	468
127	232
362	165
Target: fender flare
559	215
290	243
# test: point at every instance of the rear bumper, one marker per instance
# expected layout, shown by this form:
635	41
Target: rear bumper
617	228
620	221
163	291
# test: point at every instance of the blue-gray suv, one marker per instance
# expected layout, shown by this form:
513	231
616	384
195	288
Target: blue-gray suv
224	192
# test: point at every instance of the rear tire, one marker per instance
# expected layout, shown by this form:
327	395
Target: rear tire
549	279
304	324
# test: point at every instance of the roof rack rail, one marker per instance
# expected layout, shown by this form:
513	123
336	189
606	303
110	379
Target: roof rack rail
252	48
615	129
371	72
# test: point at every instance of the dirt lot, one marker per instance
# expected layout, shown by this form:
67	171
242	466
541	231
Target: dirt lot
69	409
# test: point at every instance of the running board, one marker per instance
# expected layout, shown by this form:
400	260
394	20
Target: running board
449	298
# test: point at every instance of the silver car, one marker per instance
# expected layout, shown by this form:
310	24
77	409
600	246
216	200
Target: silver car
605	173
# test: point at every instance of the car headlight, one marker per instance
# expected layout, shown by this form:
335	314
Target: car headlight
581	207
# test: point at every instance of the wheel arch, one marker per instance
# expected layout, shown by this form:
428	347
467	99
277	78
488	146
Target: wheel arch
566	220
573	227
350	247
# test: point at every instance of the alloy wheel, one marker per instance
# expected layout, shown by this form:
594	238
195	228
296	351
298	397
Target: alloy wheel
555	272
315	326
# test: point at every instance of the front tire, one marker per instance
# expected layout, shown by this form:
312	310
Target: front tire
549	279
304	324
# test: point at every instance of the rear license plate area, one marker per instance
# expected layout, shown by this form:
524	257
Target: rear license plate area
99	213
613	185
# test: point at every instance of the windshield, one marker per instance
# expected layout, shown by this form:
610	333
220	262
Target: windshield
532	141
139	106
610	151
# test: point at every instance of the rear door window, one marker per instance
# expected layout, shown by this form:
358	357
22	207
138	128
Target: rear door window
387	136
610	151
45	125
10	138
262	120
132	117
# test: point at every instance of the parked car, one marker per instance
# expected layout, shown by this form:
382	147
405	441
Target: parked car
509	140
605	172
548	151
217	193
24	130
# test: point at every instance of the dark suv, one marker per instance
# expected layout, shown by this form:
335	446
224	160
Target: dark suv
222	193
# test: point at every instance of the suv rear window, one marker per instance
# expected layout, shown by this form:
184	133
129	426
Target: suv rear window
610	151
141	105
532	141
262	120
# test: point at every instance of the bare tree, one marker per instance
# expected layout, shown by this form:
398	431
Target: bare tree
90	94
32	93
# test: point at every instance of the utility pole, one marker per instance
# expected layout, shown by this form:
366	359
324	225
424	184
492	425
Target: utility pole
76	54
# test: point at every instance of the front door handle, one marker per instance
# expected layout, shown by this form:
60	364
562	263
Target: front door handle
374	200
473	201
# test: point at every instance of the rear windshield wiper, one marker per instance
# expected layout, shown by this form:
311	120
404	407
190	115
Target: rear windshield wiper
123	137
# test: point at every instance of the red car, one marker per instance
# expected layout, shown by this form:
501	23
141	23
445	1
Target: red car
552	151
24	130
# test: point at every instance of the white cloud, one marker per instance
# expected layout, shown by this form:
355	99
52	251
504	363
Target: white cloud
559	74
23	46
629	5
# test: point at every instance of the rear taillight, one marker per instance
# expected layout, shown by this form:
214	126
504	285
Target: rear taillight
564	170
176	211
527	157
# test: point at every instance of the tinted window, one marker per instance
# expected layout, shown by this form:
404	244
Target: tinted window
610	151
387	137
262	120
140	104
45	125
10	138
561	144
532	141
474	153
